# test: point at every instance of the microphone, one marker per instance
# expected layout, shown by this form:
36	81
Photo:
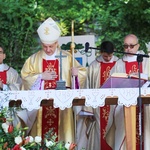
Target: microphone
87	46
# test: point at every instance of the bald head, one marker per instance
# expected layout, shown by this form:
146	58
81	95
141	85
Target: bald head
132	36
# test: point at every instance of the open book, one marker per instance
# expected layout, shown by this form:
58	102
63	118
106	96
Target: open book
132	76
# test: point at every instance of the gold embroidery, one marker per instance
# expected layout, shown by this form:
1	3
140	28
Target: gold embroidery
46	31
50	66
50	84
50	112
106	73
50	122
103	133
105	115
134	69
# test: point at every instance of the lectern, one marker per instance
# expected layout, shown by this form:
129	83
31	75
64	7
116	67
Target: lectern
122	82
129	112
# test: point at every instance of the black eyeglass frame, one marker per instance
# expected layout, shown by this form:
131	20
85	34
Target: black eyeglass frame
131	46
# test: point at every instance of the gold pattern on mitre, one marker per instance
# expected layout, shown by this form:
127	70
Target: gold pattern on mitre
47	31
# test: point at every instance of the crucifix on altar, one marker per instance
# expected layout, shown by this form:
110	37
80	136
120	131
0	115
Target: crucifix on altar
61	85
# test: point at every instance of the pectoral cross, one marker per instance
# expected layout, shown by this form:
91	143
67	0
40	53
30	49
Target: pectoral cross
61	85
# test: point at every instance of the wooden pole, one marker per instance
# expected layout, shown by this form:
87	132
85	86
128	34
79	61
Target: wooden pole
72	52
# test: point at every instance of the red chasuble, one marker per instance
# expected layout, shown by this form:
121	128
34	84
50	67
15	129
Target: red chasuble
50	115
132	67
104	111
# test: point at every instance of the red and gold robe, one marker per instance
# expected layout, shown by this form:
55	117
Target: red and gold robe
31	71
104	111
90	134
127	65
50	115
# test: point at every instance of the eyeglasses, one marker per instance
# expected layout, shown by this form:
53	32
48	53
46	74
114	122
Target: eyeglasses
130	46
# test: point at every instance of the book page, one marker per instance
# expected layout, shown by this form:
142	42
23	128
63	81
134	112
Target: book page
120	75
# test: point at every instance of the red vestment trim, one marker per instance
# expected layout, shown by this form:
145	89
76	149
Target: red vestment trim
51	65
104	111
105	71
50	115
3	76
132	67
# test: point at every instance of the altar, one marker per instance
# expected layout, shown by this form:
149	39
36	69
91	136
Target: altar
89	97
65	98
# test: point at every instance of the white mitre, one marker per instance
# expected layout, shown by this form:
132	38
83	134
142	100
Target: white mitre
49	31
148	46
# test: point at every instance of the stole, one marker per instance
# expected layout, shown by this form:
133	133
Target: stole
104	111
50	115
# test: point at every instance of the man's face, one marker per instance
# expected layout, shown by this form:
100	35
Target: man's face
107	57
2	55
49	49
131	45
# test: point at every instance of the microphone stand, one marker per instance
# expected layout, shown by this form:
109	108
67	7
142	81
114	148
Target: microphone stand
139	60
139	99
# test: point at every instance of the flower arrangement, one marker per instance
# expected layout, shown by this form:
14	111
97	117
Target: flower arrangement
13	138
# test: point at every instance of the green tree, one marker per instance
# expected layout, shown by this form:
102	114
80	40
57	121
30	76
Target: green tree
107	20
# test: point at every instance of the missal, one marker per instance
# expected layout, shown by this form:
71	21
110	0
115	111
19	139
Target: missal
122	80
132	75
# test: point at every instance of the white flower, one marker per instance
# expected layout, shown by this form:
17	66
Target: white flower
18	140
5	127
67	145
22	148
49	143
30	139
38	139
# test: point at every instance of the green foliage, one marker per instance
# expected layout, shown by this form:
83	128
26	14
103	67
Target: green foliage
68	45
17	31
107	20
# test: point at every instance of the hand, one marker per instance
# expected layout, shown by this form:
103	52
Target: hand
49	75
74	71
72	146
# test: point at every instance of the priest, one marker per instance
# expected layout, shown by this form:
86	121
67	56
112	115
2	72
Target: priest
91	129
9	77
10	80
127	64
41	71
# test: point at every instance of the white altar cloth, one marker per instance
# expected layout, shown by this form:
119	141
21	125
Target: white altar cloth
63	98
